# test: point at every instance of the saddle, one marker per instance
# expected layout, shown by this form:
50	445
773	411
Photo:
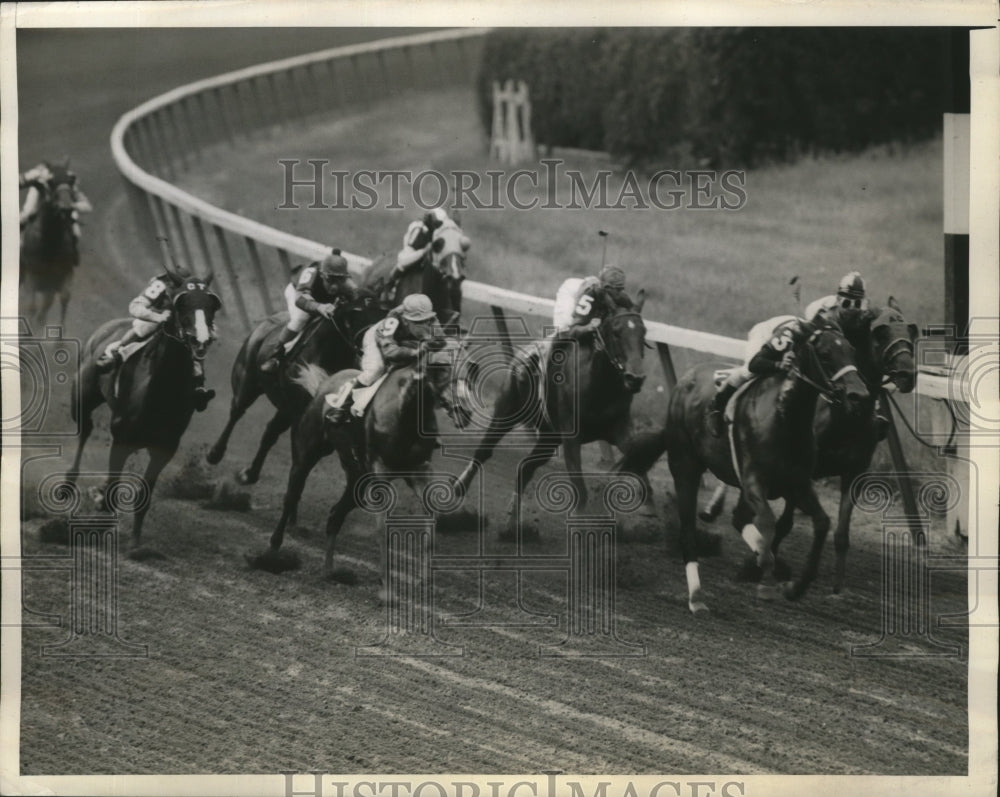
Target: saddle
361	396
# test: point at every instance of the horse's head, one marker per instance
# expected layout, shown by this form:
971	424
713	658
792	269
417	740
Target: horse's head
825	359
622	338
440	363
194	312
448	258
892	340
60	193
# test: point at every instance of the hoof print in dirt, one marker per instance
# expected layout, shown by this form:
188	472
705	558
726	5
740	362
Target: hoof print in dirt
54	532
228	496
272	561
342	575
145	555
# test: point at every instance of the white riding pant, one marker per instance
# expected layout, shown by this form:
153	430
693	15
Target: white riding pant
372	364
297	317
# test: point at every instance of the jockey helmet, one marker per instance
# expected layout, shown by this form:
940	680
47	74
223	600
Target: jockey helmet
435	218
612	277
334	266
417	307
851	291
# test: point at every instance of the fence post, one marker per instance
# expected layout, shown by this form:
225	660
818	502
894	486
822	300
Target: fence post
667	362
231	273
502	331
261	277
903	474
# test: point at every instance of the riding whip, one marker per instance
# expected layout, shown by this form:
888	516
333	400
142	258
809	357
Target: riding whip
604	254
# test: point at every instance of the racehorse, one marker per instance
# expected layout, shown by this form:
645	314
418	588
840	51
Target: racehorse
846	443
151	395
396	435
330	345
773	447
48	248
580	392
439	276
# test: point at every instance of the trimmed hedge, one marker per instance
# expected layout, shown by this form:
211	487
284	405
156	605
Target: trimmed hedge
726	97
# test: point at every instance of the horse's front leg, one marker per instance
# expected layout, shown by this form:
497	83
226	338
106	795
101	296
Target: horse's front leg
279	423
755	494
842	534
805	499
571	455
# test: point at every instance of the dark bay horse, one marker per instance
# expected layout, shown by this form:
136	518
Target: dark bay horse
330	345
584	394
48	249
774	441
846	443
396	435
439	276
151	395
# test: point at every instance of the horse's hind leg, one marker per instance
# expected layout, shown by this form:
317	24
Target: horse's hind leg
755	495
804	497
571	454
304	459
540	454
243	397
276	427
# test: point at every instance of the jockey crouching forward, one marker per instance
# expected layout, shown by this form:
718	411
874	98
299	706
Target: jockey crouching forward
318	290
577	311
418	238
775	356
395	340
42	179
149	310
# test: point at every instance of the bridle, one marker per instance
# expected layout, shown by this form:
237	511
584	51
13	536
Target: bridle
828	389
895	348
601	345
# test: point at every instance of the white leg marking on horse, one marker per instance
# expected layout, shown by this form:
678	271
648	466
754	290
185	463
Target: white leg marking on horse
693	579
753	538
200	326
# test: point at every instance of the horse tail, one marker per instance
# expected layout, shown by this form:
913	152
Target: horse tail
642	452
310	378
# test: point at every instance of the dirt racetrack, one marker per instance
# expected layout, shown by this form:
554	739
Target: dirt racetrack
249	672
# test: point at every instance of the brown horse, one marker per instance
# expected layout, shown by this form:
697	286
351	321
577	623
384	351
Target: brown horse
48	249
151	395
330	345
439	276
589	384
775	448
845	442
397	435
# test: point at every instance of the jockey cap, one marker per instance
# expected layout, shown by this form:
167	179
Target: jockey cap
334	265
417	307
852	286
612	277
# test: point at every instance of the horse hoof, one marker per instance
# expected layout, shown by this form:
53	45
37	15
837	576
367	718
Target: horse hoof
139	554
696	604
342	575
791	591
245	477
767	592
213	457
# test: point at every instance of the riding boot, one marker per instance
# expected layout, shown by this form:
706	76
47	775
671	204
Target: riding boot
111	358
716	413
202	395
342	411
277	358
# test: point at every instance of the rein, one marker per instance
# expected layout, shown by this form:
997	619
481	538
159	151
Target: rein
601	345
826	390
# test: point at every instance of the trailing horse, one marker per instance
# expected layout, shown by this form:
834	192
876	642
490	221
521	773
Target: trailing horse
439	276
579	392
48	249
773	448
151	395
330	345
846	443
396	435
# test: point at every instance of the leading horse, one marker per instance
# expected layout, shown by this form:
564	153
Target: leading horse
397	434
151	395
48	248
329	344
579	392
845	443
773	448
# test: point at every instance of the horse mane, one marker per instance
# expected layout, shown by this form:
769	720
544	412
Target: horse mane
310	377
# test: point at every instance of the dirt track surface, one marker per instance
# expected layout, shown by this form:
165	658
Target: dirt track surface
251	672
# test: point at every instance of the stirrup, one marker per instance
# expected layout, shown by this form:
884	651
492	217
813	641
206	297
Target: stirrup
108	362
271	364
339	415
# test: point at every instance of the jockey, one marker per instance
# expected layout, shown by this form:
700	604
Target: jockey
418	238
775	356
575	313
394	340
149	310
847	307
318	290
40	179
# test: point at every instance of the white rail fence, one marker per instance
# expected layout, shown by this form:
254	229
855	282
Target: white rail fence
161	139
